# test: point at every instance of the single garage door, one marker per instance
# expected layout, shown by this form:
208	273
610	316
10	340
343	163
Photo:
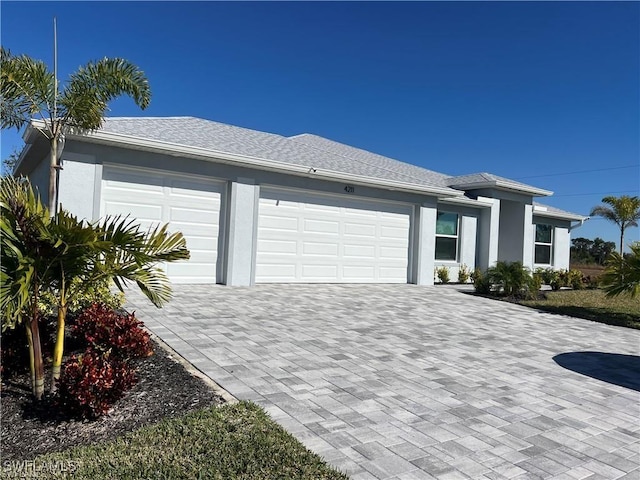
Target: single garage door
307	238
190	205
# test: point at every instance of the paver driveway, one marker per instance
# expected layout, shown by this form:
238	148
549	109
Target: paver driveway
400	381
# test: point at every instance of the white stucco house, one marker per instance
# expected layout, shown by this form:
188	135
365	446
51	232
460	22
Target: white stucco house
258	207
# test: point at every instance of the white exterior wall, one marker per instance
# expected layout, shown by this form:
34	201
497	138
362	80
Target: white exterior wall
488	234
424	243
512	225
561	248
529	235
39	178
78	179
242	222
469	228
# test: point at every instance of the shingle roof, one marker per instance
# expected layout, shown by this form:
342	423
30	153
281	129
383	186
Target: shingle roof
548	210
488	180
372	159
304	150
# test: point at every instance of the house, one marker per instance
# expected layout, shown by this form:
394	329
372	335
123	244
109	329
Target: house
258	207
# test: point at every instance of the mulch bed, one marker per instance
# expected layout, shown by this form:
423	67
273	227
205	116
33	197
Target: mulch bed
164	390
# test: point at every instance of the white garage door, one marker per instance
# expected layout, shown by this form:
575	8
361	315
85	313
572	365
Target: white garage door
314	239
190	205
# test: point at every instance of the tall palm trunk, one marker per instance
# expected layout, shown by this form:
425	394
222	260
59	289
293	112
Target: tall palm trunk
621	238
59	347
35	353
53	177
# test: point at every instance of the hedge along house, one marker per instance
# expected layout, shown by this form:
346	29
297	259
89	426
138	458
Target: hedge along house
257	207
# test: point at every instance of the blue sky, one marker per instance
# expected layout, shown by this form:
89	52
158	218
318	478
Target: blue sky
547	93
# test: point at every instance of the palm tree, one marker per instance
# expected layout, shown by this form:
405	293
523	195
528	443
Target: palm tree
624	211
28	88
41	253
623	273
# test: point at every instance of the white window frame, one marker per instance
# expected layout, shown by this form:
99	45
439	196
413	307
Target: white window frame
545	244
440	235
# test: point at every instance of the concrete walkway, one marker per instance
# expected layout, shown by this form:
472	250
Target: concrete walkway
407	382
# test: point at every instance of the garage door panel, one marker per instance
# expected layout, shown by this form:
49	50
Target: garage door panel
359	229
321	226
277	246
193	216
361	273
191	205
358	251
318	248
199	243
319	272
341	239
392	253
279	223
276	272
148	213
398	232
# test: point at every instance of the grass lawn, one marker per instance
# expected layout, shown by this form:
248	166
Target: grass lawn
593	305
225	442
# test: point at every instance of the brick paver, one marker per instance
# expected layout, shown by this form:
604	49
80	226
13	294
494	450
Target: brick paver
407	382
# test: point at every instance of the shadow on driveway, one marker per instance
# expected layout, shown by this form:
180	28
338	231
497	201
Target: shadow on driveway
615	368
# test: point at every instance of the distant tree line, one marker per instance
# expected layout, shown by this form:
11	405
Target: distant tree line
587	251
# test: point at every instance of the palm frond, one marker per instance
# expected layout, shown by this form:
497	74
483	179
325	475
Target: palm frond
89	90
26	89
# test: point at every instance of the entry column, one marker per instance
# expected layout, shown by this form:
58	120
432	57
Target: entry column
242	227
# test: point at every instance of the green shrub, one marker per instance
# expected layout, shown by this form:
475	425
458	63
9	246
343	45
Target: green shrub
510	278
98	292
443	274
477	273
575	279
463	274
535	283
481	282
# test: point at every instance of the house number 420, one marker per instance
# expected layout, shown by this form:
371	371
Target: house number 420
349	188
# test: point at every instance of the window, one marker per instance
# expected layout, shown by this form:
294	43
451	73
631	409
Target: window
543	244
447	236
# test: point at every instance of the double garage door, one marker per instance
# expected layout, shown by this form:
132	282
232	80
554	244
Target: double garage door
330	239
301	238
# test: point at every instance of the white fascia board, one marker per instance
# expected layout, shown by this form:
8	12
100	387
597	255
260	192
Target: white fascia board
121	140
500	185
470	202
560	215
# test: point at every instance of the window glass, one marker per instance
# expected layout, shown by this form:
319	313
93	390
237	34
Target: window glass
543	233
447	224
446	248
543	254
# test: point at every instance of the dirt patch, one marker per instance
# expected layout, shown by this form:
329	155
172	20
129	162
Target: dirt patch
165	389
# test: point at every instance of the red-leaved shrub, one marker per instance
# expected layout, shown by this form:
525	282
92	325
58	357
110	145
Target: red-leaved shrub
91	383
105	329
